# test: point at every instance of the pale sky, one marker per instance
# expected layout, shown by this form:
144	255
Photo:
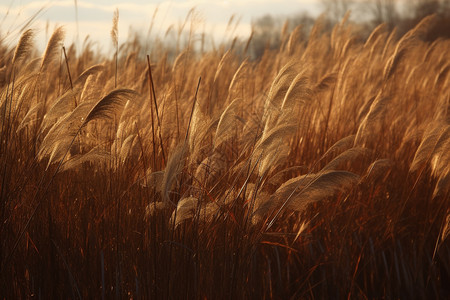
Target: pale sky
95	17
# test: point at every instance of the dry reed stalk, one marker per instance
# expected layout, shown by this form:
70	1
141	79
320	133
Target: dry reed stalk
115	41
110	104
378	169
174	166
24	46
156	109
53	47
441	77
239	76
227	123
225	60
279	87
429	145
186	208
192	110
297	193
94	157
196	136
294	39
376	33
297	94
375	113
352	154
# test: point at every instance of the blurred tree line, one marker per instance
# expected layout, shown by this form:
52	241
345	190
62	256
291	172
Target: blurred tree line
366	14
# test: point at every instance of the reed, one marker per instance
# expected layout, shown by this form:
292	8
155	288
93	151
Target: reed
319	170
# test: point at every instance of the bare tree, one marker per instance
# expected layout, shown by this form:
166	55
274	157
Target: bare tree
336	9
383	11
266	31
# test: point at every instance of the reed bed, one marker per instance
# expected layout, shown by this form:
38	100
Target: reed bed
319	170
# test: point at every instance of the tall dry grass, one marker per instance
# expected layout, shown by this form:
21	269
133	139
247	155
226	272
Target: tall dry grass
319	170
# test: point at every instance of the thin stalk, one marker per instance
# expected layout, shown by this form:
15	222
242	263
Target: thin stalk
116	64
192	110
176	108
68	73
153	124
156	107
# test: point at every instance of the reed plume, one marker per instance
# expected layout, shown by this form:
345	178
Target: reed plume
298	192
238	77
348	156
174	166
24	46
297	94
227	123
375	113
433	139
110	104
53	46
94	156
186	209
375	34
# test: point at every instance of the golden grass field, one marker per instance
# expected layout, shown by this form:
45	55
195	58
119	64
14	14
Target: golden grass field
320	170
